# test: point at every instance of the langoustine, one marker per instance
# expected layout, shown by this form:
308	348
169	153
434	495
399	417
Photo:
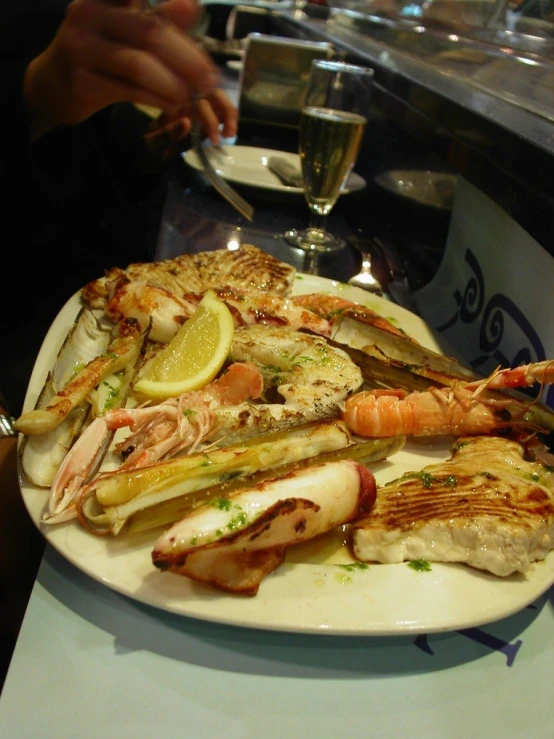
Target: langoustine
234	542
462	409
156	432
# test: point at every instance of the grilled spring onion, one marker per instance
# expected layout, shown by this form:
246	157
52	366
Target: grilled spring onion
164	514
116	496
163	493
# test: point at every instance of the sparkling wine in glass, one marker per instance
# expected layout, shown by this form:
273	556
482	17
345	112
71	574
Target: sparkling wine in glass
332	124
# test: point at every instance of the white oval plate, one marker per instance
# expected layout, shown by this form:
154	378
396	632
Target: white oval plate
247	165
310	593
235	65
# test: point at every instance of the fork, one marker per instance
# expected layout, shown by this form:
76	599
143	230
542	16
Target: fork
216	180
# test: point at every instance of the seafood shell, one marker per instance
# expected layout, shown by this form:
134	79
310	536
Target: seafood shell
42	455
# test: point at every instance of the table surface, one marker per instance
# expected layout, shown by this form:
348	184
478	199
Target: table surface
90	662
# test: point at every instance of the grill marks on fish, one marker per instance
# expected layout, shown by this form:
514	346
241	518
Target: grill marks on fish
305	379
486	506
304	370
247	268
251	307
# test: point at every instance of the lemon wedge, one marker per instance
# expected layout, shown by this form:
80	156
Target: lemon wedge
194	355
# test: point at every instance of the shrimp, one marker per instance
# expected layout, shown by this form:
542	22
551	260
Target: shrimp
163	430
157	432
460	410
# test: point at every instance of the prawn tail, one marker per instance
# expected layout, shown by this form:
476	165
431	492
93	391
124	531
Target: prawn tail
242	381
379	413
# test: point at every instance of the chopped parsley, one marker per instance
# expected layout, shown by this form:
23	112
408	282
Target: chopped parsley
240	520
427	479
239	517
222	504
534	476
354	567
420	565
113	393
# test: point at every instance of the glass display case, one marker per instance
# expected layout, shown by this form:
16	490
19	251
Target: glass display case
505	48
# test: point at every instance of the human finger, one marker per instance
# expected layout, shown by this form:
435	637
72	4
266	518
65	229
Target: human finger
165	41
137	70
226	112
87	22
182	13
209	121
163	141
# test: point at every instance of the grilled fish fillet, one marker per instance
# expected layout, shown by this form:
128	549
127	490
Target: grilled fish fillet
248	268
486	506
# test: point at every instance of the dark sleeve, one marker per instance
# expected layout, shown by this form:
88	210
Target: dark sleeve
25	31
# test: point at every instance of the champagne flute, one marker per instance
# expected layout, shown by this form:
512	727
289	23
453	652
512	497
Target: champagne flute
332	124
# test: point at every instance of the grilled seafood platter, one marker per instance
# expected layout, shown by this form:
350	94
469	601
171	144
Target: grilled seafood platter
314	439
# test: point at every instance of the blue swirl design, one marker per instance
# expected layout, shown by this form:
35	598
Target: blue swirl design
494	316
470	304
474	294
492	331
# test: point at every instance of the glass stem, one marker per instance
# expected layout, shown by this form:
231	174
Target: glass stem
317	222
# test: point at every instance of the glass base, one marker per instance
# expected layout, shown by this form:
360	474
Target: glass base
314	239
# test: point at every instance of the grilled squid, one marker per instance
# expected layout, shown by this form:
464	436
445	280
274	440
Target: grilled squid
233	542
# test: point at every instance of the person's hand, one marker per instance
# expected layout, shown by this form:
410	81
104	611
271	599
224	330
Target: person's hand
164	136
217	113
108	51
